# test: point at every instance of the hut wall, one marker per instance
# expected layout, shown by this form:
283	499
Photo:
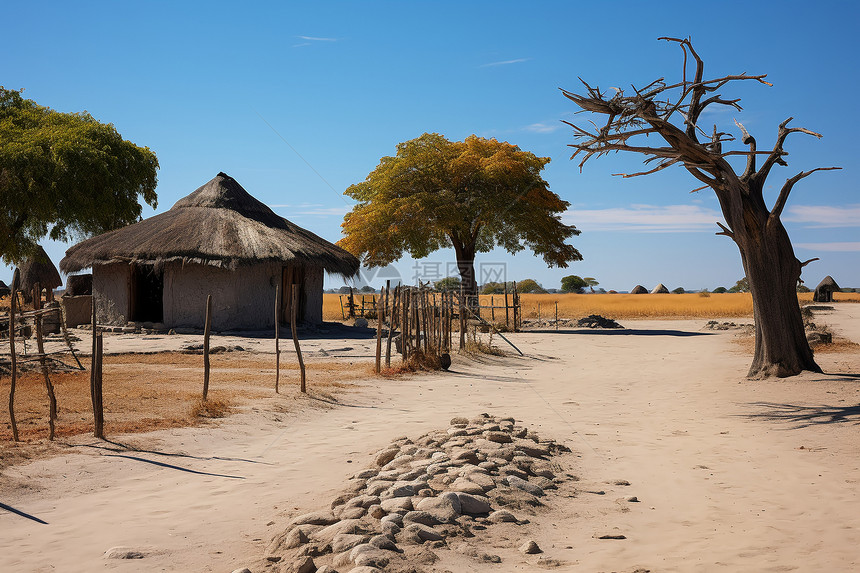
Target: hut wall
241	300
110	287
314	295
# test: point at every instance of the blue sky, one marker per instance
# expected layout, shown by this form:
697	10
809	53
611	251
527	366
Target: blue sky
297	101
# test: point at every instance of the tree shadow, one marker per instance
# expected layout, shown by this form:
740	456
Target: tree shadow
622	332
806	416
171	466
119	447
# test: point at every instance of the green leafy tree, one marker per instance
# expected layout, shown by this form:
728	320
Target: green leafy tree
742	285
573	283
367	289
65	176
470	195
495	288
720	290
590	282
530	286
448	283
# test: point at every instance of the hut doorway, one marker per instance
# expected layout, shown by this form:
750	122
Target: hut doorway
146	296
292	276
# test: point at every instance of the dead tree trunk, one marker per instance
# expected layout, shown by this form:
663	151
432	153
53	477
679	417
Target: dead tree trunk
771	267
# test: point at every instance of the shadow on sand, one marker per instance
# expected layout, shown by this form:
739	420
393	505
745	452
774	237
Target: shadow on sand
11	509
806	416
621	332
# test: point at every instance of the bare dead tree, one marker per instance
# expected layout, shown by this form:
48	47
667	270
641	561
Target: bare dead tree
672	113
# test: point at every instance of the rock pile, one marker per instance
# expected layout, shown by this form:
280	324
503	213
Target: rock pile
597	321
716	325
419	496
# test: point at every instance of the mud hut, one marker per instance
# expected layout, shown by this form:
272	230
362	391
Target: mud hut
660	289
639	289
825	289
38	269
218	240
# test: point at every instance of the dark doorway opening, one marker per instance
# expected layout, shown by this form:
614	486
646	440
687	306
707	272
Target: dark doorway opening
292	276
146	300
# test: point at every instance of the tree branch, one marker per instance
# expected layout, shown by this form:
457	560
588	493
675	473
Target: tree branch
786	189
725	231
804	263
775	157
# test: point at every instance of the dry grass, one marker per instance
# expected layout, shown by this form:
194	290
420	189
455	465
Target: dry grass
616	306
145	392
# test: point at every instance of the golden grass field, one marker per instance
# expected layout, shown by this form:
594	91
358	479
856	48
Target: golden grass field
616	306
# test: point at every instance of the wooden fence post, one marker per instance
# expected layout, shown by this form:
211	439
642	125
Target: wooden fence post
556	315
40	346
515	298
295	303
277	338
379	319
404	323
392	316
462	320
206	330
99	417
507	312
13	357
93	370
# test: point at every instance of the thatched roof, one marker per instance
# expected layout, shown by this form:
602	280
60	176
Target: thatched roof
38	269
221	225
639	289
4	289
660	289
828	282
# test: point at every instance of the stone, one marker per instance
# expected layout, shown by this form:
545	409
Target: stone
522	484
421	532
394	518
473	505
498	437
502	516
313	518
390	528
368	555
466	486
346	541
530	548
326	535
376	512
385	456
364	501
294	538
323	569
366	474
360	322
301	565
122	552
445	507
396	504
459	421
351	512
383	542
422	517
246	570
364	569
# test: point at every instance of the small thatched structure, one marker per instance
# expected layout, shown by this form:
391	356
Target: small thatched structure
660	289
218	240
825	289
639	289
38	269
4	289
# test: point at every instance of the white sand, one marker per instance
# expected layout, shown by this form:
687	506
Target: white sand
723	485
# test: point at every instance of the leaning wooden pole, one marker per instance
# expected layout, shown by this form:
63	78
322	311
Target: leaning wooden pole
392	314
293	319
14	359
277	339
462	320
40	345
206	330
94	370
380	313
99	418
507	311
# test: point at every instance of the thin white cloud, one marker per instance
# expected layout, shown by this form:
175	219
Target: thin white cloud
542	127
824	216
847	247
316	39
311	209
646	219
505	62
302	44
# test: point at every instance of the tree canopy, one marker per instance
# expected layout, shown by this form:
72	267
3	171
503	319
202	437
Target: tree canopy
530	286
573	283
448	283
471	195
65	175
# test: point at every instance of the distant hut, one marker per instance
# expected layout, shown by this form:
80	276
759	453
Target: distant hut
639	289
660	289
218	240
825	289
38	269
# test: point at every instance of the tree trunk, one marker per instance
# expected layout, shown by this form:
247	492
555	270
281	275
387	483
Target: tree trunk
466	266
781	348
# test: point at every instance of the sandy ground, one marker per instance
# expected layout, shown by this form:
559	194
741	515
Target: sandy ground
733	475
